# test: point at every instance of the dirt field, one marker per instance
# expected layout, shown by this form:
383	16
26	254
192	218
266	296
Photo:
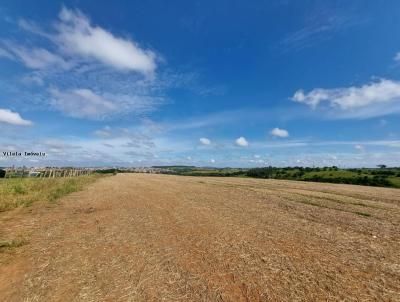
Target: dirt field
140	237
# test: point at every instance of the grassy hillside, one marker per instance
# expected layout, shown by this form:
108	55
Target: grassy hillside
15	192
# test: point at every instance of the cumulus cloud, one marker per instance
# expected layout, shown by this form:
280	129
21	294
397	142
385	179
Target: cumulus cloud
89	71
359	147
279	132
397	57
76	35
14	118
77	40
204	141
377	98
241	142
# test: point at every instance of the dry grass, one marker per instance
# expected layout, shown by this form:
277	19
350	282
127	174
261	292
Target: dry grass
16	192
140	237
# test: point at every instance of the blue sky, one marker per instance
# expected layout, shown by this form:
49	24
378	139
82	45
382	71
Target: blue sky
208	83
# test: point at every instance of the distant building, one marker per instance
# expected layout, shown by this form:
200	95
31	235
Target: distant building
34	174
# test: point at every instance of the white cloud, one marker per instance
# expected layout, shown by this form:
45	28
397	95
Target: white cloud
139	141
373	99
241	142
38	58
75	66
6	54
77	36
33	28
13	118
204	141
359	147
279	132
104	132
33	57
77	40
320	25
75	69
32	79
212	160
397	57
84	103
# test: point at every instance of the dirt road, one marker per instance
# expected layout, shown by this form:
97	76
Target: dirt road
140	237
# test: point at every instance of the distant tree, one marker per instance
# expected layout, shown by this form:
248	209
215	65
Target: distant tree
107	171
2	173
381	166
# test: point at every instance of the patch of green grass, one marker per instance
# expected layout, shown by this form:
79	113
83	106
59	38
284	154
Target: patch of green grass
316	204
70	186
18	189
16	192
362	214
9	245
395	181
333	174
311	203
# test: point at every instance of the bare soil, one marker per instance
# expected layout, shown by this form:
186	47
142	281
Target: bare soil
141	237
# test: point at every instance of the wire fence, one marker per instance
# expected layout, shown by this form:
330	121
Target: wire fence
46	172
